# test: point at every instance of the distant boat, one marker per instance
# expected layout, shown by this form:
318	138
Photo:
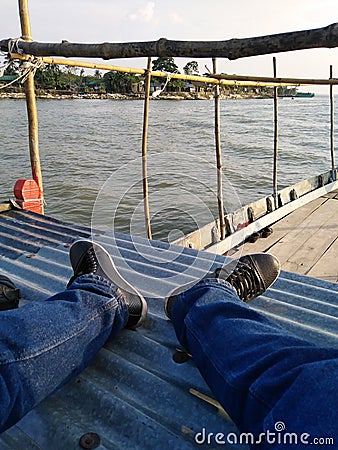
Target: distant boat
305	94
292	92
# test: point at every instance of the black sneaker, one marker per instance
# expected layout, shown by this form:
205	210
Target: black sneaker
88	257
251	276
9	294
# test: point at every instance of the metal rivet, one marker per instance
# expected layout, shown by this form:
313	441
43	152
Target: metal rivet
90	440
181	357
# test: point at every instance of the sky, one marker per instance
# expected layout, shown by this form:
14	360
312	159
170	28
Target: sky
141	20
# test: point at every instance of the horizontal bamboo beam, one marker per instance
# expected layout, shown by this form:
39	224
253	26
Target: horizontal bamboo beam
223	79
326	37
278	80
84	64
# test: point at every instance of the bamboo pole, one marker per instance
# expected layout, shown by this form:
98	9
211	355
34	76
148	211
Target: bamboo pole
275	138
276	81
33	134
332	124
218	155
144	150
326	37
222	79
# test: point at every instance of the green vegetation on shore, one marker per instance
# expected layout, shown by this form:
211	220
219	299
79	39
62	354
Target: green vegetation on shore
53	81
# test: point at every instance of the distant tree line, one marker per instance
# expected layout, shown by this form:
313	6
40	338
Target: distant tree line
66	78
55	77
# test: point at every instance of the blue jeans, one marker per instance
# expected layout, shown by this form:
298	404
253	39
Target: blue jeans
260	373
265	377
44	344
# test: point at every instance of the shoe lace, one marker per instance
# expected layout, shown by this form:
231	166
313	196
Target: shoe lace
90	263
246	281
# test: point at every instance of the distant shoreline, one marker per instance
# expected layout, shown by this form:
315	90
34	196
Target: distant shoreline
48	95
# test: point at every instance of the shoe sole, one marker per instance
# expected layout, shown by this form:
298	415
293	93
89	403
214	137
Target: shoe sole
108	267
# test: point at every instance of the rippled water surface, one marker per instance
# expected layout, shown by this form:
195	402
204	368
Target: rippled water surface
92	149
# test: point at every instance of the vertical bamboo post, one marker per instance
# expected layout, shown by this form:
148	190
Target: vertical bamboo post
275	139
31	103
332	125
218	155
144	150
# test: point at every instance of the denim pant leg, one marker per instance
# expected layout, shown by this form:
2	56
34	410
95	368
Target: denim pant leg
44	344
258	371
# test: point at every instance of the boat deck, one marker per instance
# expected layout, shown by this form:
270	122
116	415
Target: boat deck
305	241
135	394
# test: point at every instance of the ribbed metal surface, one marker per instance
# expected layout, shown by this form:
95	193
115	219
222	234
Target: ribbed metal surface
134	395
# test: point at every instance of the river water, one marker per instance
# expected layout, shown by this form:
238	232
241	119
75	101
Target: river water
91	152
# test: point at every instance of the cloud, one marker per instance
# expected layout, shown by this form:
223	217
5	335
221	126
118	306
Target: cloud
144	13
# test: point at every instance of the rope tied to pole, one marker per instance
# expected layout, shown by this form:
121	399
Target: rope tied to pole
13	46
29	65
159	91
4	68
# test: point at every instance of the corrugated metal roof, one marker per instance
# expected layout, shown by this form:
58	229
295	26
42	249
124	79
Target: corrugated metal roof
134	395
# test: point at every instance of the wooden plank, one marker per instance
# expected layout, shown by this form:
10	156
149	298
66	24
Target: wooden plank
280	229
316	245
326	268
294	240
306	190
200	238
331	195
241	235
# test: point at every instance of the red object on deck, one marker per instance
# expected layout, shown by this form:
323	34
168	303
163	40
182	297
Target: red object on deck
28	195
26	190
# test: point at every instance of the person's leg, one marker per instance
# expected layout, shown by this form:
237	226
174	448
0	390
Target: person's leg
44	344
258	371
